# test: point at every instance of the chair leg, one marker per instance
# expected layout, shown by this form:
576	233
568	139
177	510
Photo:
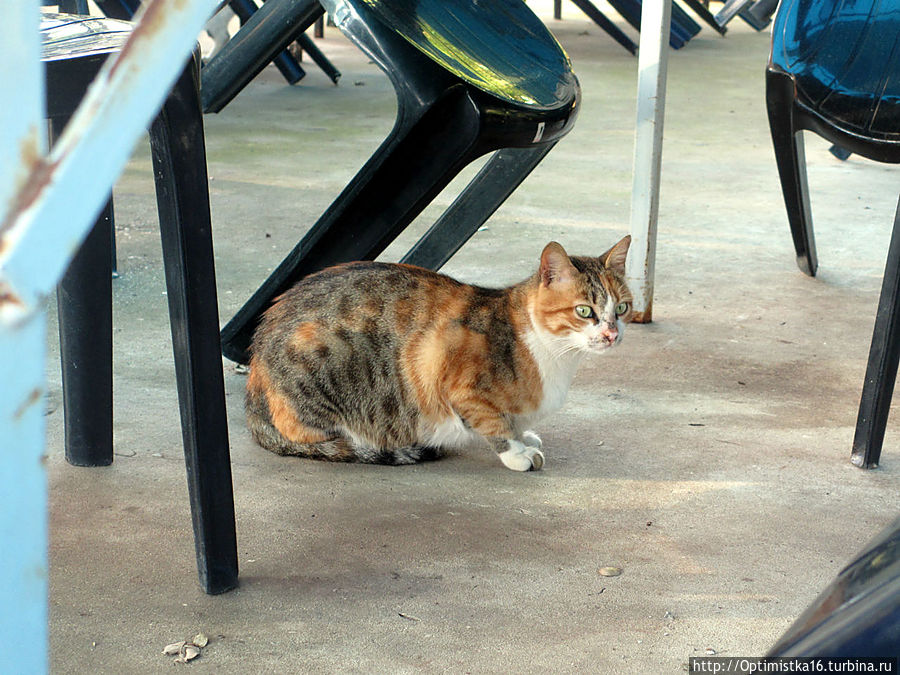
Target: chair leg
881	371
603	21
318	57
497	179
84	300
179	159
84	306
731	9
700	10
264	35
787	140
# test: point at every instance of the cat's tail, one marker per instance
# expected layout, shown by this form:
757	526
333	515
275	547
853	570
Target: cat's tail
337	449
394	456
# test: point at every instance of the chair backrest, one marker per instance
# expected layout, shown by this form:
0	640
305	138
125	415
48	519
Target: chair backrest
499	47
845	59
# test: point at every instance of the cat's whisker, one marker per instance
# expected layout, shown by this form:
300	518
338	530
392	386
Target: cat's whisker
566	347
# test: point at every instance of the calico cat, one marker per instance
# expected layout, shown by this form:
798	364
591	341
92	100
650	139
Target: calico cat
386	363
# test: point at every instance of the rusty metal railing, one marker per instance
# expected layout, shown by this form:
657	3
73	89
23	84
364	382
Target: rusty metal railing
48	202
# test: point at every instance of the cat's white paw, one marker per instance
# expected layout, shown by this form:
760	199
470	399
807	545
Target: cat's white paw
521	457
532	440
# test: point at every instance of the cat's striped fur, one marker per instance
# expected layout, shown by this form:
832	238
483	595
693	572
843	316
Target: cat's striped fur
383	363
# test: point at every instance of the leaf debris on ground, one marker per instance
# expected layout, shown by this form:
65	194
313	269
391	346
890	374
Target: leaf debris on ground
185	650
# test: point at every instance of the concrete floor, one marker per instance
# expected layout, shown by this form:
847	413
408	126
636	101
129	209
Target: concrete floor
707	457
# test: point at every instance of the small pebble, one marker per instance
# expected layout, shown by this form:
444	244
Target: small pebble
609	571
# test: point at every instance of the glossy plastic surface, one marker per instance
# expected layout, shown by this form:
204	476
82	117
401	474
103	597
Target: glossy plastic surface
859	613
844	57
500	47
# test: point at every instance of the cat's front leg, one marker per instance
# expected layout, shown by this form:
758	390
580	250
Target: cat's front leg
501	433
523	434
518	456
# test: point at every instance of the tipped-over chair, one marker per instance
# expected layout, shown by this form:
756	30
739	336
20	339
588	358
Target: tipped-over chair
834	69
471	79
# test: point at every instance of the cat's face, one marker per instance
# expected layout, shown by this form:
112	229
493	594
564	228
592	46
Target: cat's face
582	304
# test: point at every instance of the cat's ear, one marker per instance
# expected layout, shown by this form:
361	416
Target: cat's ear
555	265
614	258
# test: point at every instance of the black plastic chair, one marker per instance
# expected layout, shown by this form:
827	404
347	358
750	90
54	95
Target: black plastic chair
74	49
858	615
834	69
471	78
287	65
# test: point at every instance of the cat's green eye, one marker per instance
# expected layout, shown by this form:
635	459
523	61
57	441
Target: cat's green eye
621	308
584	311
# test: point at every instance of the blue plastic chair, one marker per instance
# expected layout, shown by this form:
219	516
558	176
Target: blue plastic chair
834	69
858	614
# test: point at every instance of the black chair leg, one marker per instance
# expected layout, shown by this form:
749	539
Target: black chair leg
790	158
498	178
601	20
265	35
318	57
700	10
179	159
881	371
84	300
84	307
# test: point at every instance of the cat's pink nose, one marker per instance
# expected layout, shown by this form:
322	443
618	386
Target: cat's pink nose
609	333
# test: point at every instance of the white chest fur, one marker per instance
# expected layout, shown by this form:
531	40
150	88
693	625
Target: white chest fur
557	366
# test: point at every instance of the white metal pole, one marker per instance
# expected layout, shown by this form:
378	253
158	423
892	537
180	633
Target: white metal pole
651	105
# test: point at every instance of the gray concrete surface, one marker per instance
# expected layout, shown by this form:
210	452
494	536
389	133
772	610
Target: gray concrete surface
707	457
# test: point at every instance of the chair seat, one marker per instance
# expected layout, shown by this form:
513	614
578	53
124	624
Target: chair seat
73	49
66	36
507	52
846	65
